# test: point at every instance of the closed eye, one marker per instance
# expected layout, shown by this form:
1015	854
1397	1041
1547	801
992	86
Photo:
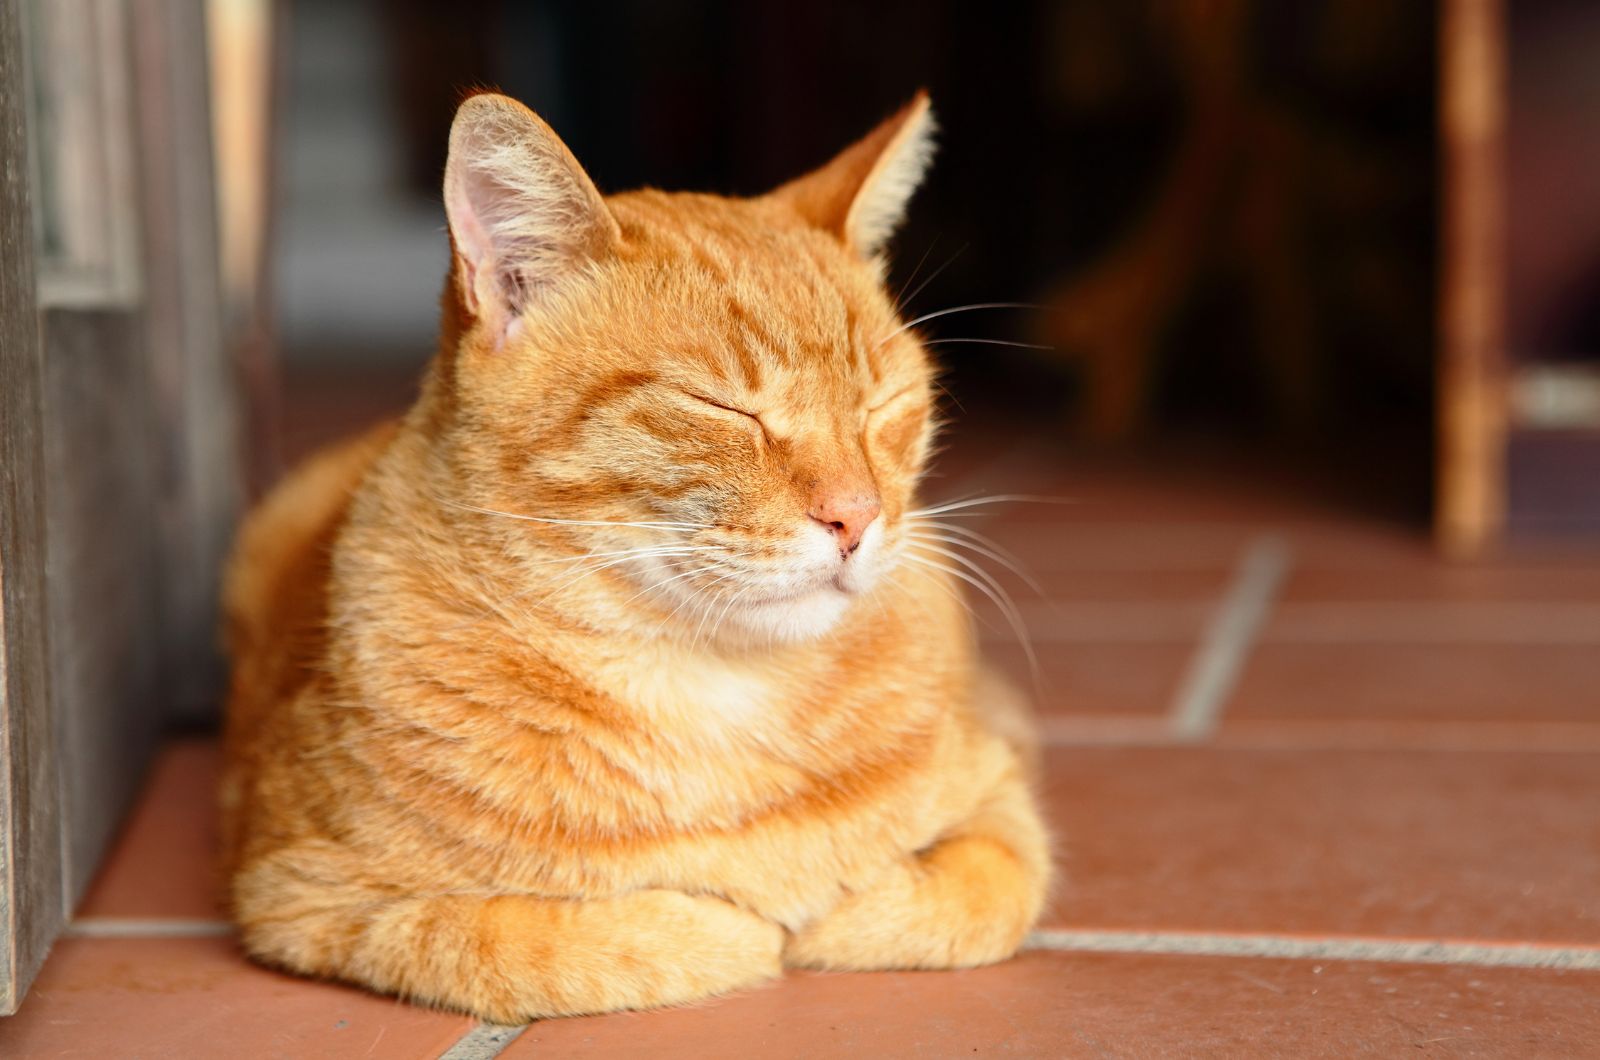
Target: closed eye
892	398
719	405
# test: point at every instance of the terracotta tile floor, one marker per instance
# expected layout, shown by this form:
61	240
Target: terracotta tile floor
1317	794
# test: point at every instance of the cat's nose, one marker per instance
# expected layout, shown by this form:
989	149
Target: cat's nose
847	513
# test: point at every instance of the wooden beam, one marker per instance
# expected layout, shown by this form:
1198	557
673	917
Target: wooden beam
1471	476
194	380
31	895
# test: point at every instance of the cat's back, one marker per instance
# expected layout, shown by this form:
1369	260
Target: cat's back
275	597
279	565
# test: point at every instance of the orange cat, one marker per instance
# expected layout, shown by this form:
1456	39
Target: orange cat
619	672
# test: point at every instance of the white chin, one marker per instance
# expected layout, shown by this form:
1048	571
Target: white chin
798	618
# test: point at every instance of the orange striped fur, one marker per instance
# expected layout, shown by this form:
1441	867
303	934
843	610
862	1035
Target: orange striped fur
605	679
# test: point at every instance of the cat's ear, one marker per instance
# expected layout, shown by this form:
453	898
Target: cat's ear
861	196
524	216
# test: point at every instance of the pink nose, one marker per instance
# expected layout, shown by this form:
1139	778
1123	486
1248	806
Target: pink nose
847	514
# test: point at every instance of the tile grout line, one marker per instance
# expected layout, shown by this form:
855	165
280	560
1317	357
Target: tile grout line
483	1042
1398	623
1533	955
1444	738
116	927
1400	951
487	1040
1219	657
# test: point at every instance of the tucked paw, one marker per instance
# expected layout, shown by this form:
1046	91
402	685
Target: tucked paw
650	948
516	958
968	901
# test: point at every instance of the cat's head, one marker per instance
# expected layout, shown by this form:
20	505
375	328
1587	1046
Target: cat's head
713	397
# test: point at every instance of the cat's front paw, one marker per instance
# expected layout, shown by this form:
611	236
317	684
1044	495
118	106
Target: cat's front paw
967	901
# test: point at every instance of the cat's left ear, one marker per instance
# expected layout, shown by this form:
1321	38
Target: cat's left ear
861	196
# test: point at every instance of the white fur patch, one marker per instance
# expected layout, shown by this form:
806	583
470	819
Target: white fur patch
880	205
718	695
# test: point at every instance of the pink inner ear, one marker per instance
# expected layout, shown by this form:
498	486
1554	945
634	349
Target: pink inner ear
488	296
493	247
522	212
471	239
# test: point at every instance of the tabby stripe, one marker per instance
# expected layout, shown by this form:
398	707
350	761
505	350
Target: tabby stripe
606	391
757	334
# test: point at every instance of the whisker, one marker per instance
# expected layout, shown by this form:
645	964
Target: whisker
995	550
732	593
738	592
998	498
941	388
990	342
1011	563
495	606
943	586
575	579
1014	617
934	275
899	299
652	524
645	550
653	586
971	534
967	562
924	318
702	601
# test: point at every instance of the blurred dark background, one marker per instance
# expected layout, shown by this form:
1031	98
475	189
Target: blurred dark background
1246	173
1225	210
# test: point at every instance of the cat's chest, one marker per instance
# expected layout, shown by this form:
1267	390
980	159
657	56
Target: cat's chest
739	822
711	744
691	714
715	743
713	703
721	778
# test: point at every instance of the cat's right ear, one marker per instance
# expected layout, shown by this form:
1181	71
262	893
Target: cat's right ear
524	216
861	196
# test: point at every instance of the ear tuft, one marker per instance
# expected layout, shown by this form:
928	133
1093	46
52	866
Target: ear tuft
523	213
862	194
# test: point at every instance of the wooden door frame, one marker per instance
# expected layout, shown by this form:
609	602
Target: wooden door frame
32	897
119	444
